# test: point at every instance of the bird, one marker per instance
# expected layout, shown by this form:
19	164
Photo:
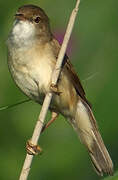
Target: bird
32	54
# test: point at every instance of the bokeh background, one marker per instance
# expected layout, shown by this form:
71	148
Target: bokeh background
93	50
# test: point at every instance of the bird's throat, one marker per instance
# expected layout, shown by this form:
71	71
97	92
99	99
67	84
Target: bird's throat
22	34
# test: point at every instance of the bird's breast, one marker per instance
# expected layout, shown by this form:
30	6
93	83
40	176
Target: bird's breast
31	70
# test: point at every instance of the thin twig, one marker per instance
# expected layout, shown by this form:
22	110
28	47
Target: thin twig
37	131
90	77
13	105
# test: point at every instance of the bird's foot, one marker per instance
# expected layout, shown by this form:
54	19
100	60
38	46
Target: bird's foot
54	89
32	149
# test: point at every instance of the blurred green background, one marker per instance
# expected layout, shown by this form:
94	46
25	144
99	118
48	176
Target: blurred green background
94	53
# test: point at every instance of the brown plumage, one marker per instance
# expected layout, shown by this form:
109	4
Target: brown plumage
32	54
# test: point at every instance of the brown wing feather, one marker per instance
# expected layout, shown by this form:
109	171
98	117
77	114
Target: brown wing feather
76	81
73	76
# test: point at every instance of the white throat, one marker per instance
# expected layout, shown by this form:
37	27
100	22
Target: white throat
22	33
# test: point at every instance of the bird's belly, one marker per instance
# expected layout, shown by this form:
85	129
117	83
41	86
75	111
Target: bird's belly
26	83
34	81
33	76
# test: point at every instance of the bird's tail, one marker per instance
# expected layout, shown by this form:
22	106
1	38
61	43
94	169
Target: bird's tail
85	125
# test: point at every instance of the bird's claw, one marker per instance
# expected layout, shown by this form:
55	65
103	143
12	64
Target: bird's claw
54	89
32	149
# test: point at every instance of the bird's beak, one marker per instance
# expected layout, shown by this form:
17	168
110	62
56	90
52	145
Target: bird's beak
19	16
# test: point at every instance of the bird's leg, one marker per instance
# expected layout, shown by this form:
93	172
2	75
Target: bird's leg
53	118
33	149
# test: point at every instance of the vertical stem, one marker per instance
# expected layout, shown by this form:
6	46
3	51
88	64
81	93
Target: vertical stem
37	130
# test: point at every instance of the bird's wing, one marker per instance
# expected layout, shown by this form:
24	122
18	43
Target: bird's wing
73	76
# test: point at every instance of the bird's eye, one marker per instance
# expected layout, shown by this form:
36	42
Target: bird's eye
37	19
